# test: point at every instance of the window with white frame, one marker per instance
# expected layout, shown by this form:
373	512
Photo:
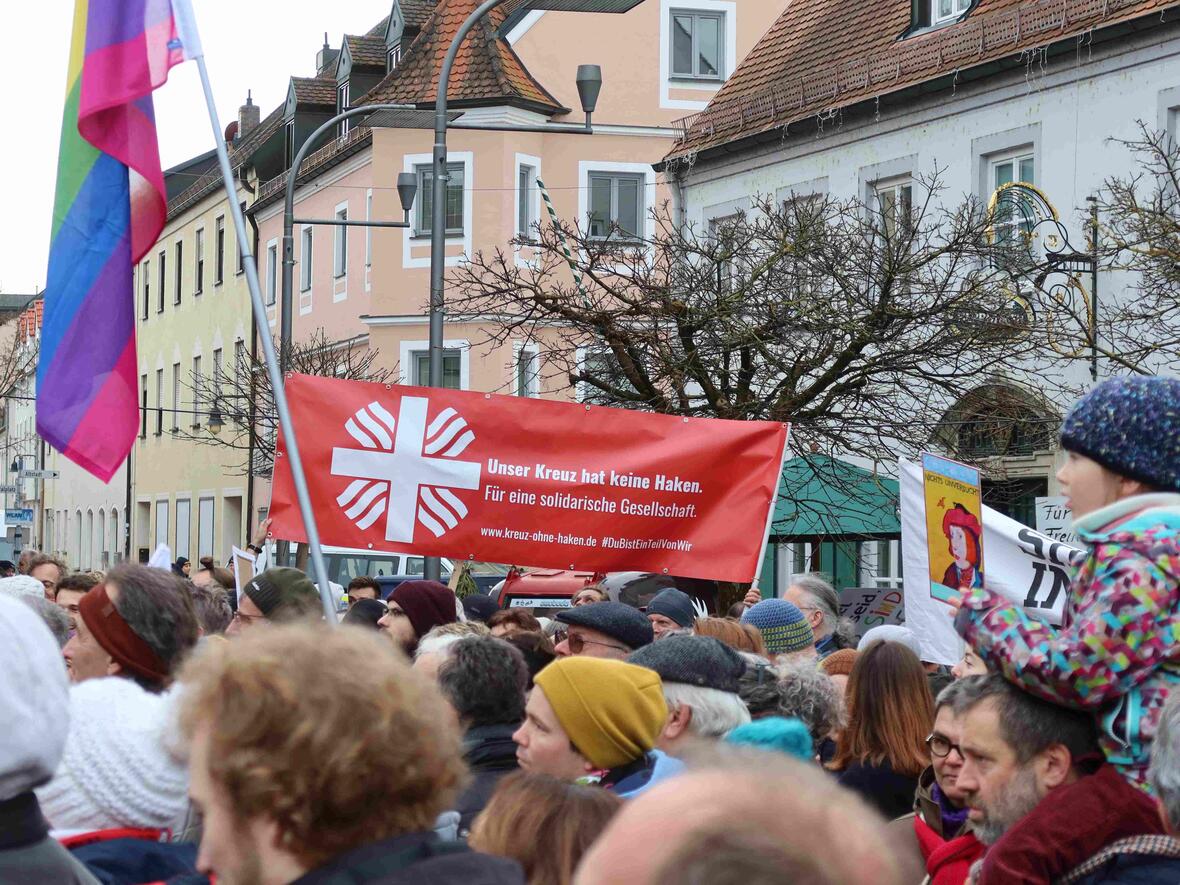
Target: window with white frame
159	402
199	276
945	10
369	230
526	375
219	250
272	270
342	106
161	280
289	143
143	405
895	200
340	244
305	259
178	272
616	199
392	57
198	390
241	267
452	368
215	379
1006	169
722	233
176	403
600	364
526	184
453	201
698	41
147	287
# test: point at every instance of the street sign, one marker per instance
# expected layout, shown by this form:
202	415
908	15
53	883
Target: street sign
39	474
19	516
9	489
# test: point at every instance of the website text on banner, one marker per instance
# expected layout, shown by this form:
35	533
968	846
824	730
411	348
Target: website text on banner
528	481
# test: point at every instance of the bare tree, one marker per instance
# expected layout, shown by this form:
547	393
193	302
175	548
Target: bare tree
861	325
239	396
1140	236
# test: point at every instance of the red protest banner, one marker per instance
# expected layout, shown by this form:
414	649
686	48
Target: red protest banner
528	481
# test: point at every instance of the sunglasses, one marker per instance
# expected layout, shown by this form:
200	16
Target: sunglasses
578	643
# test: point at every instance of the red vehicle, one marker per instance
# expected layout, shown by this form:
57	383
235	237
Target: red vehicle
546	591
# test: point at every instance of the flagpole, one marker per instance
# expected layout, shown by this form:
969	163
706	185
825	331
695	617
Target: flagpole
295	463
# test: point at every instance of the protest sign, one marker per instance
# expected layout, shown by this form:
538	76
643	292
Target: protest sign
529	481
1055	520
868	607
954	535
243	564
1028	567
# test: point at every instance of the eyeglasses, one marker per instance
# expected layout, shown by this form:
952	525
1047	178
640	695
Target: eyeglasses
578	643
941	747
247	620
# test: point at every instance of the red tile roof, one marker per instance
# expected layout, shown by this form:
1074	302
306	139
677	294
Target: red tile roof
416	12
821	55
485	69
366	51
315	90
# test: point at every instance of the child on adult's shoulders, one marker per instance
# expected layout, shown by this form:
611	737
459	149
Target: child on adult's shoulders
1117	651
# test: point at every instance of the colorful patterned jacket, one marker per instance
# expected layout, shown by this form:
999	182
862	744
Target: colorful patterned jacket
1117	652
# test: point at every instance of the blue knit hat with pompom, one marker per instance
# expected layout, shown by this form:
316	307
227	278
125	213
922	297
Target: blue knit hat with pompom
1131	426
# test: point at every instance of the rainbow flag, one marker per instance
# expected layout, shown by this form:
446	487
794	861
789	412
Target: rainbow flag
108	211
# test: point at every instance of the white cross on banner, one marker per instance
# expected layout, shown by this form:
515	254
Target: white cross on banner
405	470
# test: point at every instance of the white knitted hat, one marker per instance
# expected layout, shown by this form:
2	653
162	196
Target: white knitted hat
34	700
21	585
117	770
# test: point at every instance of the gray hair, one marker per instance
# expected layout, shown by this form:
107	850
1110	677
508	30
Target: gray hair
810	695
824	598
714	712
159	609
1164	773
1027	724
53	615
211	604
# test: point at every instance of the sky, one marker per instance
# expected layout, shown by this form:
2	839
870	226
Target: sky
249	44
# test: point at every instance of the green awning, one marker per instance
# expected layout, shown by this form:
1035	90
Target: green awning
823	497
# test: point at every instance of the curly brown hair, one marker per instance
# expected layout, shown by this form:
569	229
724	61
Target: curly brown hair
285	744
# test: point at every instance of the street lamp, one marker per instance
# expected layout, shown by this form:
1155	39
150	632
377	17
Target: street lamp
407	189
589	82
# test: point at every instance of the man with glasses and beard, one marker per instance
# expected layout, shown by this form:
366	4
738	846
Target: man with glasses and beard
1038	790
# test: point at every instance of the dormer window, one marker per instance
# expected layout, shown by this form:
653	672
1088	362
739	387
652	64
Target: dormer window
943	11
392	57
342	106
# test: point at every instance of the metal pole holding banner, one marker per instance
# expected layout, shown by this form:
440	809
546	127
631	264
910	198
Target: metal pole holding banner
186	24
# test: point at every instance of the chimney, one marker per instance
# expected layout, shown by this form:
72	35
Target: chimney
326	57
249	116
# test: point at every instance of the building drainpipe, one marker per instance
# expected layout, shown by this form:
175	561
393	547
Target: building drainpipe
679	201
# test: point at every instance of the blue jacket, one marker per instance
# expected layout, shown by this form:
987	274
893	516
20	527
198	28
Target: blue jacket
662	767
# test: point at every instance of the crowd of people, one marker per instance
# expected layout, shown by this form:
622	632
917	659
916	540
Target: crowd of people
158	728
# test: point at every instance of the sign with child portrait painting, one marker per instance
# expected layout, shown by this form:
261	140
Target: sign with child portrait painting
954	526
